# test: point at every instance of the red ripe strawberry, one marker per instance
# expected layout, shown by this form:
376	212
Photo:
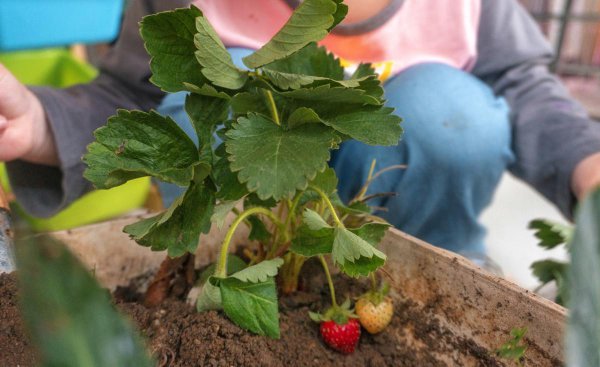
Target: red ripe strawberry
339	327
342	338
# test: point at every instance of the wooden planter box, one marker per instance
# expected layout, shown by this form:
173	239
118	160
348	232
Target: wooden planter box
467	303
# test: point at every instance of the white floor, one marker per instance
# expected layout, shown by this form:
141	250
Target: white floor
510	243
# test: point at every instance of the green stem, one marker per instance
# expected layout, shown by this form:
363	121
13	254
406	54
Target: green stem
292	209
373	281
329	205
273	107
221	270
363	190
329	281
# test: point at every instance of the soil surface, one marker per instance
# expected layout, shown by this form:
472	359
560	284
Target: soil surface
179	336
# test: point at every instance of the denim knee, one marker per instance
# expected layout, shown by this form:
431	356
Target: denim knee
456	145
453	122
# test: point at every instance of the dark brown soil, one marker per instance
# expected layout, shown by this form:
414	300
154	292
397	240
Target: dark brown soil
14	346
179	336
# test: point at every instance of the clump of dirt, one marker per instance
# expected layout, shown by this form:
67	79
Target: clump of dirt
178	336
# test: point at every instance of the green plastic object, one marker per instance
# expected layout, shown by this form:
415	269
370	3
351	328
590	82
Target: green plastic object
57	68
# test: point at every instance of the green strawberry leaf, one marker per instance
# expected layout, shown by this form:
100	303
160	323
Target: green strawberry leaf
169	39
326	181
583	283
246	102
209	298
72	321
363	70
379	127
551	234
371	232
313	220
252	306
296	81
310	61
260	272
178	229
217	65
562	285
221	211
274	162
206	113
362	267
311	243
234	264
354	255
136	144
310	22
206	90
549	270
258	230
340	13
230	188
326	98
289	81
356	208
302	116
253	200
372	87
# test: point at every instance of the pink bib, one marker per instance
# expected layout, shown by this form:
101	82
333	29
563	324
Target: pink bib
421	31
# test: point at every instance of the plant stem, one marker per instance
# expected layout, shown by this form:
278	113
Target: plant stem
376	175
329	205
363	190
273	107
292	209
373	281
329	281
221	270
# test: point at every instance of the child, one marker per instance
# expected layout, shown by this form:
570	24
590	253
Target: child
469	78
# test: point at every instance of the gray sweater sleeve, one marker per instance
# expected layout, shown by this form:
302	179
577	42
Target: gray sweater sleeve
551	132
74	113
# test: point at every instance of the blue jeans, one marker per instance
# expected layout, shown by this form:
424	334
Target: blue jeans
456	145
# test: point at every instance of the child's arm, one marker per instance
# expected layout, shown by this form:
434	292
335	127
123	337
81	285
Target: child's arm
552	134
72	114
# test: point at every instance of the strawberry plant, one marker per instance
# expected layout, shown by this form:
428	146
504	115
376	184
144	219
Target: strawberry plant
263	141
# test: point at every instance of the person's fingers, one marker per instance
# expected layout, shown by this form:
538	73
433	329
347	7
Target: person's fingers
24	131
13	95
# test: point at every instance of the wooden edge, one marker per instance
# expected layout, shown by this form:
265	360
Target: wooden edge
449	257
3	199
480	305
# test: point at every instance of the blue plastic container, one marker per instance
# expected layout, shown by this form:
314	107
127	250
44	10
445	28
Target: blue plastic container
27	24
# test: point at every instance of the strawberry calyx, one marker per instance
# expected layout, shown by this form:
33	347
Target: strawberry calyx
376	296
340	314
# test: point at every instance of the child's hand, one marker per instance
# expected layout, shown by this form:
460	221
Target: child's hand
24	131
586	176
